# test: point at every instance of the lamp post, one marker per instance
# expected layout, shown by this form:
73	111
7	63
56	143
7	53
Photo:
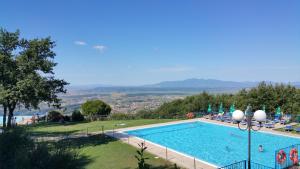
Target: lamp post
259	116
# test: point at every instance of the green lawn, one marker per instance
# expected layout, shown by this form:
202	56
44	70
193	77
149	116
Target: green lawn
107	153
56	129
100	151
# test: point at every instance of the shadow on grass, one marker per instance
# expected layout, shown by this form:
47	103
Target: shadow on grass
80	162
54	124
160	167
81	142
53	134
164	167
76	143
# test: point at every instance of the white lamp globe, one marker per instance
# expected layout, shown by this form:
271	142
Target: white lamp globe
238	115
260	116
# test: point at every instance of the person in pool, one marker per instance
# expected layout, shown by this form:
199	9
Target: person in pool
260	148
227	148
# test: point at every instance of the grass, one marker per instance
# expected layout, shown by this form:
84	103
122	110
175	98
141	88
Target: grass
99	151
108	153
57	129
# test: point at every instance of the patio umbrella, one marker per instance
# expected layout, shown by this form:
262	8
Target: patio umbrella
278	111
221	111
232	109
209	109
264	108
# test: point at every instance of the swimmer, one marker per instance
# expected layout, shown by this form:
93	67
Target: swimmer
227	148
260	148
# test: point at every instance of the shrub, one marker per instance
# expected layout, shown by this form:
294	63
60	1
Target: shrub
95	108
77	116
54	116
17	151
122	116
190	115
67	118
147	114
141	157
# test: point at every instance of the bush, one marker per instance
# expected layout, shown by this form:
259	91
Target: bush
18	151
147	114
190	115
77	116
55	116
95	109
67	118
122	116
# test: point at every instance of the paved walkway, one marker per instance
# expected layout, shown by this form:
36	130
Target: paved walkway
270	130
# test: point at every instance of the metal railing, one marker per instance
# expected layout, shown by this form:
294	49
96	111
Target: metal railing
259	166
237	165
243	165
286	157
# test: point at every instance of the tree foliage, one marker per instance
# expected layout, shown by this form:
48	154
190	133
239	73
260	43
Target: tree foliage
94	108
270	96
54	116
26	73
77	116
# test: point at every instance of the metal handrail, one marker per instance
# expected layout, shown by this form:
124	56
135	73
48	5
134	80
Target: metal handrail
243	165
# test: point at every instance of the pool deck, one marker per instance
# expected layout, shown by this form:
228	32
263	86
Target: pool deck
180	159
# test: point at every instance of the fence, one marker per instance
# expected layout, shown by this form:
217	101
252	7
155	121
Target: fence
237	165
287	157
244	165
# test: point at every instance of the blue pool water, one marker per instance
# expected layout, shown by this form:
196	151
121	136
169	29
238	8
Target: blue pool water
19	118
216	144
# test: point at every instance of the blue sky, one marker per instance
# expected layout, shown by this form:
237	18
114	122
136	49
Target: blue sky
133	42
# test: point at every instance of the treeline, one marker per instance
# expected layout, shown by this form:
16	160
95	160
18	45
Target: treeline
267	96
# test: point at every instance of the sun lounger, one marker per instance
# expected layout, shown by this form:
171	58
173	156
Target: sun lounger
288	128
254	123
269	125
228	121
243	123
282	122
297	129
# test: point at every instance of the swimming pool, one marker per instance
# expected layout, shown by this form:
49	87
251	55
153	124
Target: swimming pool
215	144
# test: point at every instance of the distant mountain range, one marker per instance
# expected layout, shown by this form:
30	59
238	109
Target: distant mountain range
203	83
180	85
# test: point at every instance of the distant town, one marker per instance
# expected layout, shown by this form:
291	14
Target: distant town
133	99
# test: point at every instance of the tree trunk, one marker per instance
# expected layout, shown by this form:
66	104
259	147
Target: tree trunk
4	116
10	115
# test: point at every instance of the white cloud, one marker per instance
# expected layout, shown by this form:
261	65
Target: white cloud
81	43
174	69
100	48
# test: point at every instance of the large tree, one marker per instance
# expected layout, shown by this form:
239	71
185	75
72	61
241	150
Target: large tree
26	73
95	108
